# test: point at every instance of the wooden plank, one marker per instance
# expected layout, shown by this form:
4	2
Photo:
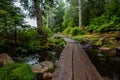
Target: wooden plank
78	69
68	62
74	64
64	71
60	65
90	71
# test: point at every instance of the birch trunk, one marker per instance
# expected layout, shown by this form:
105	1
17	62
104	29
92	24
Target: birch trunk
80	13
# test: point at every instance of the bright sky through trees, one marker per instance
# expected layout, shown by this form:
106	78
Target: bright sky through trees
29	21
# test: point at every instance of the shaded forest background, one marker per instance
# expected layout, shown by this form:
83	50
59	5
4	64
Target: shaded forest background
17	37
100	20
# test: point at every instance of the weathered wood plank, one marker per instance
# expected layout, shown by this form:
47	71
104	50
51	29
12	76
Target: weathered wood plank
68	62
78	68
74	64
59	65
64	70
90	71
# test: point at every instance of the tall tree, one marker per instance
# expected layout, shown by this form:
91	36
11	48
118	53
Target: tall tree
33	6
38	12
58	19
91	9
10	18
71	17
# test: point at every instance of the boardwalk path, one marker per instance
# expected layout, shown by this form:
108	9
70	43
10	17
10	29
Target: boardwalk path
74	64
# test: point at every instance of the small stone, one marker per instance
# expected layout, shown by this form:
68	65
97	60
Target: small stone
104	49
100	55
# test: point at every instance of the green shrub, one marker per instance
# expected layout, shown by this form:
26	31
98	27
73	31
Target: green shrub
117	27
76	31
48	31
16	71
106	27
67	30
104	24
96	23
56	40
92	28
28	42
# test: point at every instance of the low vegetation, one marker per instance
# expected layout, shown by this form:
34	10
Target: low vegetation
16	71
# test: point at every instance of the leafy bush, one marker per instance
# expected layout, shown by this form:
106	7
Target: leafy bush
117	27
67	30
56	40
104	24
48	31
76	31
96	23
28	41
16	71
105	27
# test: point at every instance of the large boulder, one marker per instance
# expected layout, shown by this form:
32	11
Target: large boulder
5	59
42	67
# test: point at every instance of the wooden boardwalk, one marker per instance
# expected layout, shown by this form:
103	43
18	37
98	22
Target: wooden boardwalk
74	64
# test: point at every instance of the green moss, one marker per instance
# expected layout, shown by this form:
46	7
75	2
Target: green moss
80	38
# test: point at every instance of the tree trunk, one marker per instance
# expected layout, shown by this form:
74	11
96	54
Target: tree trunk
80	13
15	35
15	38
38	12
41	33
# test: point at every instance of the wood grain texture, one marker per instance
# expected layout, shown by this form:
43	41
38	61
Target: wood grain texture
74	64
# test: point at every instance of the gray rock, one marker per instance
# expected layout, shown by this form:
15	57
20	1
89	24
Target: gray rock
42	67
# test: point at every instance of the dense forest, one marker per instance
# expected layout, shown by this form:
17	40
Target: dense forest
94	23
